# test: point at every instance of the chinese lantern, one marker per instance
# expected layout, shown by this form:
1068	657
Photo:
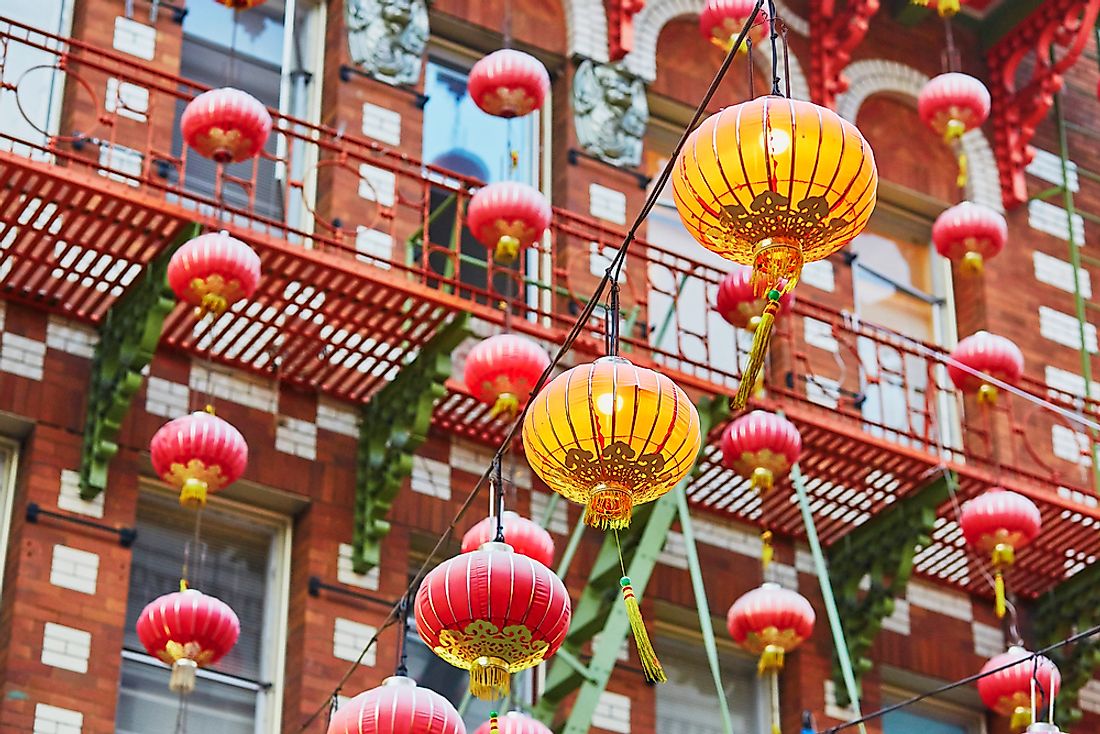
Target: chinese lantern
508	83
213	271
774	183
969	234
721	22
503	370
1008	691
760	445
526	537
198	453
398	706
738	302
999	523
514	722
492	612
226	124
989	354
946	8
187	630
952	104
508	217
770	621
241	4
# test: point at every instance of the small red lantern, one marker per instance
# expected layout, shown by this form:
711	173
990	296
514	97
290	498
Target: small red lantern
953	103
508	83
187	630
241	4
738	302
969	234
760	445
492	612
198	453
514	722
1008	691
990	354
214	271
226	124
526	537
999	523
398	706
721	22
771	621
503	370
508	217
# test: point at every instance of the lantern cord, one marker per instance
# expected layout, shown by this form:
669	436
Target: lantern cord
181	714
498	509
773	37
752	68
191	547
786	60
775	710
613	321
579	327
951	53
402	651
1085	634
333	705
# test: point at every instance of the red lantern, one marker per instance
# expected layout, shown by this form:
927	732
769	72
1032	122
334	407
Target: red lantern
760	445
953	103
508	83
771	621
999	523
514	722
968	234
198	453
226	124
721	22
990	354
187	630
508	217
525	536
492	612
241	4
214	271
1008	691
738	302
398	706
503	370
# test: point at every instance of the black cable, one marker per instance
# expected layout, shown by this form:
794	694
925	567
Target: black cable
402	644
498	500
775	48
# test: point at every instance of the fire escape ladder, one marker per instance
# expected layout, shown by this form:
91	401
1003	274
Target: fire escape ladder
394	423
1071	607
127	341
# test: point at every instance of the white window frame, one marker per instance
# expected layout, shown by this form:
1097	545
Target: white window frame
269	709
10	451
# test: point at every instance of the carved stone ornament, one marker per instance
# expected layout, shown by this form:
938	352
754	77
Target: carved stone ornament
610	112
386	38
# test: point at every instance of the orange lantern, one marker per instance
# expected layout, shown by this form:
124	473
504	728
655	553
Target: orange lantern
774	183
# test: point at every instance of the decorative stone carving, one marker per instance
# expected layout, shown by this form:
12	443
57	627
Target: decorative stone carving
610	112
386	38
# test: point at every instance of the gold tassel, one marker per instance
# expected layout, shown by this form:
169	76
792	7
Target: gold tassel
771	660
507	249
506	406
767	550
1021	718
999	588
964	171
762	479
489	679
987	394
609	509
651	666
972	263
948	8
494	725
760	341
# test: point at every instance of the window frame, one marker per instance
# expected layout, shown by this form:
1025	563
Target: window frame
269	702
8	487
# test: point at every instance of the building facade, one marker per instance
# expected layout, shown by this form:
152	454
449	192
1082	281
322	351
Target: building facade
344	372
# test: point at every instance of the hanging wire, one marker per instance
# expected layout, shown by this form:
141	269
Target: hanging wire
498	506
773	37
402	642
612	316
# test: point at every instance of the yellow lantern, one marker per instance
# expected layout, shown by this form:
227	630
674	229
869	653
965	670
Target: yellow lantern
610	435
774	183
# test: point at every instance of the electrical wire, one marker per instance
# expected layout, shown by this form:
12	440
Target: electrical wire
610	276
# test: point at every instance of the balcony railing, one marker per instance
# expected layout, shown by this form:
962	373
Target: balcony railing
339	195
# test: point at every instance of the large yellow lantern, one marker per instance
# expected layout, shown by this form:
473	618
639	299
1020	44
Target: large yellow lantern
774	183
610	435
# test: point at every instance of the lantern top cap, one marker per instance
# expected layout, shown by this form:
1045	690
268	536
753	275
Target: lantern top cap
770	586
399	680
613	359
494	546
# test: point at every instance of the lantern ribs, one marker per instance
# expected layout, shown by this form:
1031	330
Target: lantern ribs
1018	107
834	35
1071	607
620	27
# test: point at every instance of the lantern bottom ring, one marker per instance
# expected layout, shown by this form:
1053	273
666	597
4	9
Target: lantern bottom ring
489	678
182	679
609	508
193	492
776	260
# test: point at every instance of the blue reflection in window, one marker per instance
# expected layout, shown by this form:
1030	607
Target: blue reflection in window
461	138
907	722
256	33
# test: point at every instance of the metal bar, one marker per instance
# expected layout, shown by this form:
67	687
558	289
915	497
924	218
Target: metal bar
706	626
571	547
316	586
574	662
835	627
671	310
126	536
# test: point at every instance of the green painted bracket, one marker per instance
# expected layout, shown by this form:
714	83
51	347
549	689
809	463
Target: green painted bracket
1070	607
880	551
394	424
127	341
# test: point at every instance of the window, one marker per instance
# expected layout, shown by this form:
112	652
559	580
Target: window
686	704
431	671
8	453
271	52
931	717
241	561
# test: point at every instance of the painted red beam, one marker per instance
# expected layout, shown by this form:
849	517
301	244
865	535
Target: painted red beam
836	29
1019	106
620	27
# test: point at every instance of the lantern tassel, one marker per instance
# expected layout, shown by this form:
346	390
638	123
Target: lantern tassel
507	249
489	679
987	394
506	406
1021	718
760	341
762	479
972	263
767	550
609	508
964	171
999	589
651	666
494	724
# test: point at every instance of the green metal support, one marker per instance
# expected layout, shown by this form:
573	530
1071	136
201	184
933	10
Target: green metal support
1070	607
394	424
880	551
600	609
127	341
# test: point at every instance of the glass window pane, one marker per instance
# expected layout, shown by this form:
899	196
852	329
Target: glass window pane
429	671
146	705
686	704
908	722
